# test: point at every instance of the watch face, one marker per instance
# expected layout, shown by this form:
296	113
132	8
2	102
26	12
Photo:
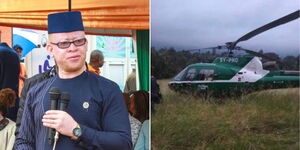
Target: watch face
77	132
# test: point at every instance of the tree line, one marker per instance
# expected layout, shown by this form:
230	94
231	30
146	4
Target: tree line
167	62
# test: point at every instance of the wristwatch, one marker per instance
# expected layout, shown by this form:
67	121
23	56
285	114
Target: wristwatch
77	132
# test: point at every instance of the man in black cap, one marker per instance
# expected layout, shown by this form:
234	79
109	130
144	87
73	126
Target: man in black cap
9	74
96	116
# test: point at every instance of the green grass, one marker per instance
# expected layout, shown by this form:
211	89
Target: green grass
265	120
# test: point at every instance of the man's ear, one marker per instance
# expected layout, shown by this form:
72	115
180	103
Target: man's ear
49	49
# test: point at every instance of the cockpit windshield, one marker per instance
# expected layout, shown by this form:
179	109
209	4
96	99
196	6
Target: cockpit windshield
179	76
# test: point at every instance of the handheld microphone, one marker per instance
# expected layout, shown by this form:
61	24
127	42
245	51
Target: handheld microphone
54	95
64	101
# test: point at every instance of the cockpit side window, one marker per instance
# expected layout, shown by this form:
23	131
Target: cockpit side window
206	74
191	74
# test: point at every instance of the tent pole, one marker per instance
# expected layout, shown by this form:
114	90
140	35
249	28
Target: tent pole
70	5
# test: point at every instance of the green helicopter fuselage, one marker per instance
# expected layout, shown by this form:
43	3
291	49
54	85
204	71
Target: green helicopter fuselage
231	76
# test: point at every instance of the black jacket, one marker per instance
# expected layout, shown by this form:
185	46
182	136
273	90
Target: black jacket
9	75
30	82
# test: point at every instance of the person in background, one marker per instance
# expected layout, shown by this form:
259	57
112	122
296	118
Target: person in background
96	62
19	50
139	105
143	140
135	124
155	92
130	85
9	75
7	126
22	75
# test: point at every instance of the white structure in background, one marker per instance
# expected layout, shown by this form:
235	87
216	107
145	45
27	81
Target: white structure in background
119	61
115	68
33	43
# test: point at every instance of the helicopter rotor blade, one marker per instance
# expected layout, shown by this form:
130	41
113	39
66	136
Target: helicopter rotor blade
259	54
209	48
216	47
266	27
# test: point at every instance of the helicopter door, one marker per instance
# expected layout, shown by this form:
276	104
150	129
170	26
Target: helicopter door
189	77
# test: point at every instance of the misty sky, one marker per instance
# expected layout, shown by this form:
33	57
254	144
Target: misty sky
194	24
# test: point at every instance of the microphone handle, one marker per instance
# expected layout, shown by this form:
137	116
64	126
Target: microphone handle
51	132
62	106
53	104
64	101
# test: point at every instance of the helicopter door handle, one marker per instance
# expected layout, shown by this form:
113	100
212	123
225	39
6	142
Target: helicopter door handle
278	82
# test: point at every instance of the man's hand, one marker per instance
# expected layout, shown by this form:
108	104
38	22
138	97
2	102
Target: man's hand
60	121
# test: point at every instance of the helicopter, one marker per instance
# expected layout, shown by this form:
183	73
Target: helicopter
236	75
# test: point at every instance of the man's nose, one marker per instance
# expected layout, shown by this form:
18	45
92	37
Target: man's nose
72	47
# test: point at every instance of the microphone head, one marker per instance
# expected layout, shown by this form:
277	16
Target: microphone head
54	93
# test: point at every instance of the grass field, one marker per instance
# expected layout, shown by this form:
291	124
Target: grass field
265	120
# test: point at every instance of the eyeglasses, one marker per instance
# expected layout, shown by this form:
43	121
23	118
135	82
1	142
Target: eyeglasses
67	44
